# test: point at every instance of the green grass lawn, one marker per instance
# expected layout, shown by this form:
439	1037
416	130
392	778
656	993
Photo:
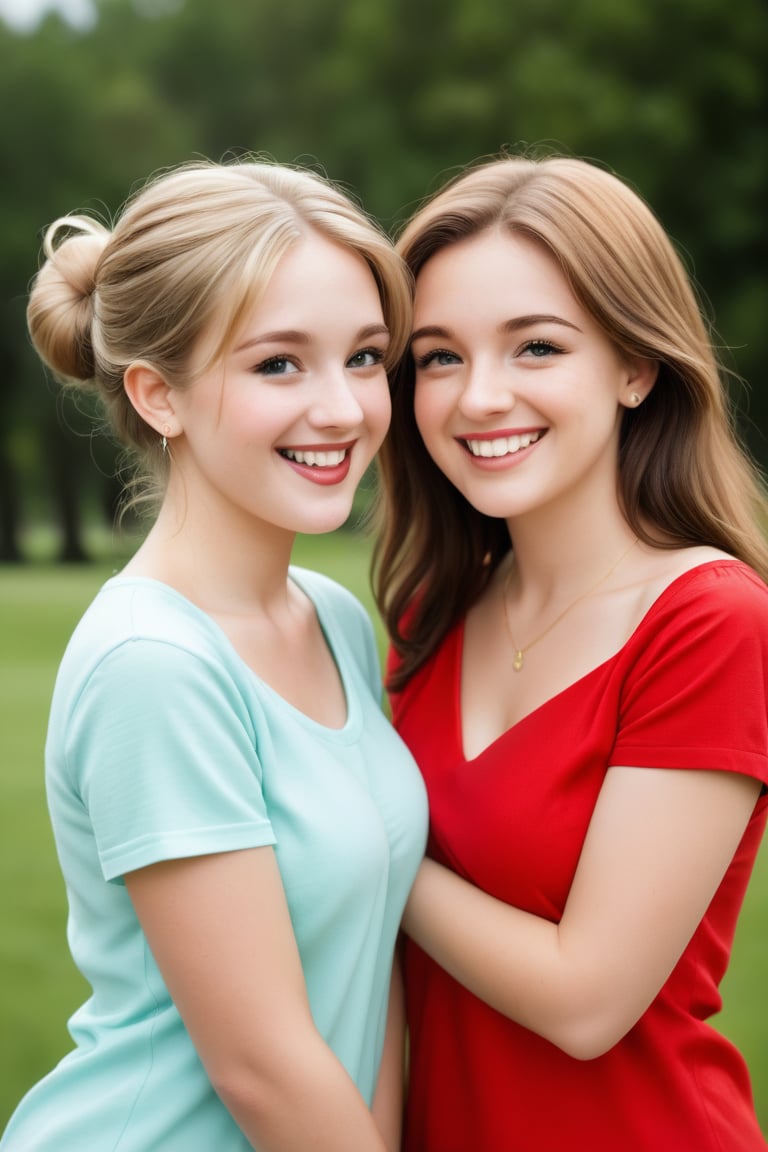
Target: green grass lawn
39	989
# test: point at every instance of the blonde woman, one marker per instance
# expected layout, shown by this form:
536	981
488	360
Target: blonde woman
237	824
573	575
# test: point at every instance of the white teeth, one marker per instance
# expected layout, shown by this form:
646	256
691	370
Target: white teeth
503	445
327	459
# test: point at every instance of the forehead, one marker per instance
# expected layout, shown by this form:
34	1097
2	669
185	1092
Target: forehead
316	258
316	285
496	271
319	285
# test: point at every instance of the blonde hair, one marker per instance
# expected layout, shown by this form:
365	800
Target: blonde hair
683	478
194	247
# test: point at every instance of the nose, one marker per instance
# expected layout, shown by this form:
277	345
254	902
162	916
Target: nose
336	404
487	391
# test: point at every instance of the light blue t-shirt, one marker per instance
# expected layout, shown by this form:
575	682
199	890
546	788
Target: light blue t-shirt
162	744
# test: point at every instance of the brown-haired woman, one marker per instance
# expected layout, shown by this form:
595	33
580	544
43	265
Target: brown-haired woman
572	570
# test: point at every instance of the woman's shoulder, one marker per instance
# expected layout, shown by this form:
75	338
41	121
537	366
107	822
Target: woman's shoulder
348	626
141	643
708	574
139	608
328	594
139	628
705	588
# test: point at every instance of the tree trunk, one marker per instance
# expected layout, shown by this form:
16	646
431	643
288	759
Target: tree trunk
10	511
64	472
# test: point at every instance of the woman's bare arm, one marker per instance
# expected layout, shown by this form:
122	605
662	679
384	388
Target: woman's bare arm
221	934
388	1099
657	848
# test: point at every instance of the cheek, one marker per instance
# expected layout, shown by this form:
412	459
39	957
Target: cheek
429	415
423	409
378	412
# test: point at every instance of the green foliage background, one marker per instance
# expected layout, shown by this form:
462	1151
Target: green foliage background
388	97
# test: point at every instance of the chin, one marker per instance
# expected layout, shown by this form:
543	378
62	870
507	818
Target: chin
320	525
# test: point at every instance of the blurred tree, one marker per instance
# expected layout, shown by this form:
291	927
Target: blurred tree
79	124
390	97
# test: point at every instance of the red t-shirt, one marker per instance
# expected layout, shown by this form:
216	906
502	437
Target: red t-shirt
688	690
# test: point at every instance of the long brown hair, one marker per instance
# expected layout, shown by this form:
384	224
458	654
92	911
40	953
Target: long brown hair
683	478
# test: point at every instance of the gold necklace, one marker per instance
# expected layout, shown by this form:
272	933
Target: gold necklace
519	653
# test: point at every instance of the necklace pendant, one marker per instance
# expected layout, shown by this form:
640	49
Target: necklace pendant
517	662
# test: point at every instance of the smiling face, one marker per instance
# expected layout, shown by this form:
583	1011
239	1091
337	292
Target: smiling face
282	430
518	393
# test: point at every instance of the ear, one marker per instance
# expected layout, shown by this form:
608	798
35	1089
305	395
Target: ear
639	381
152	397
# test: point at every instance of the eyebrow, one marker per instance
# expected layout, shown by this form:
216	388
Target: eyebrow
514	325
294	336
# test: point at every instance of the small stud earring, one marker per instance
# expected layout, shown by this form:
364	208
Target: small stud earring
635	398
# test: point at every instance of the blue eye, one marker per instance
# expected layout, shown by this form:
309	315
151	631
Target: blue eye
541	349
439	356
366	358
276	366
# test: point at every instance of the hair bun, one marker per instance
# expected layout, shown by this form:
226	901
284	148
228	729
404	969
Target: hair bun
59	314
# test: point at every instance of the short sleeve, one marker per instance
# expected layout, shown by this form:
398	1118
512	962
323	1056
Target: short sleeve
161	750
696	691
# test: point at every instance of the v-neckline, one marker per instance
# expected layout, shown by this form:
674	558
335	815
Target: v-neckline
580	681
